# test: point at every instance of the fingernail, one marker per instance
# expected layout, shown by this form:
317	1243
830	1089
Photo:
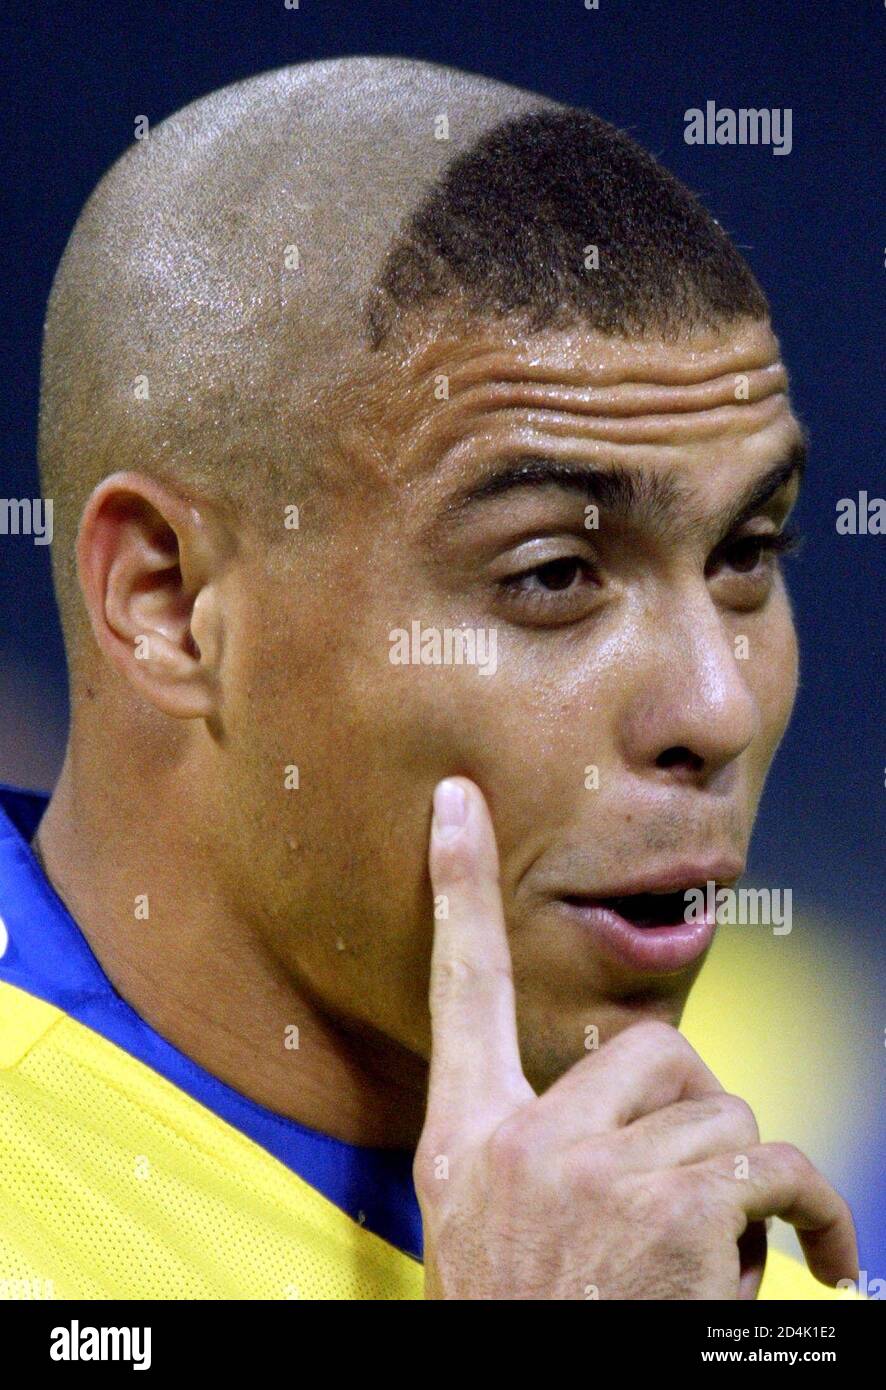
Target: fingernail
450	809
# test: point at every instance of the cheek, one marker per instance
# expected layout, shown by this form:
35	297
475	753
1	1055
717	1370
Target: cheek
773	671
525	737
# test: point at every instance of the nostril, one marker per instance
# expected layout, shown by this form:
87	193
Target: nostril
679	756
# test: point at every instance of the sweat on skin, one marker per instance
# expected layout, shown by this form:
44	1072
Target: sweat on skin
269	647
276	362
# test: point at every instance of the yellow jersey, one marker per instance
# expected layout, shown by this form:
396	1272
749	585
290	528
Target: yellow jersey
128	1172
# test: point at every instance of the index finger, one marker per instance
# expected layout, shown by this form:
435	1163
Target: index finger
476	1075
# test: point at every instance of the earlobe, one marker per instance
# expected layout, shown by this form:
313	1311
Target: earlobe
145	560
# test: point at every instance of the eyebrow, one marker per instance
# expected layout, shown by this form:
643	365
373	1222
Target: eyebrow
765	488
625	492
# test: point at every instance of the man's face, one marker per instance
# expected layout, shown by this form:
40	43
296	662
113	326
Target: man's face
643	671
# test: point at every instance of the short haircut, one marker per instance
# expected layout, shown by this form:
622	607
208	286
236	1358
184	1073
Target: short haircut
511	223
184	340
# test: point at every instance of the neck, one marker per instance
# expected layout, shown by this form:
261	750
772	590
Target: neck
174	949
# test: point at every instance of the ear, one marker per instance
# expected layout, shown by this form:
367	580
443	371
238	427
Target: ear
150	565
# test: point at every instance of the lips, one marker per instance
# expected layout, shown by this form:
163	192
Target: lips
643	927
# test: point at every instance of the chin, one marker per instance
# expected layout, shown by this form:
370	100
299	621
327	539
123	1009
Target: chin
549	1048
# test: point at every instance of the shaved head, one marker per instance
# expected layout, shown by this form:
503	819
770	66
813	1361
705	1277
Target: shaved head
520	386
222	266
217	318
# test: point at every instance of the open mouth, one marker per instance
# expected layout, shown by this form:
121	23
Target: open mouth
646	910
649	933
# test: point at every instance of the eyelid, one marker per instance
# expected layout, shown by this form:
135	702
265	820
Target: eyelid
779	542
534	552
773	544
776	512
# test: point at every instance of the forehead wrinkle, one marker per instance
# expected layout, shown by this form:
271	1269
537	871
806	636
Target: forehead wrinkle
622	397
432	434
548	388
499	357
646	425
488	376
439	439
473	347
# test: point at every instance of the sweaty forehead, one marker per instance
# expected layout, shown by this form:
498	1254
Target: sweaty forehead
461	398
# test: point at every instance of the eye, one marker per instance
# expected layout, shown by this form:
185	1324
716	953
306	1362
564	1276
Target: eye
557	575
558	591
745	553
747	565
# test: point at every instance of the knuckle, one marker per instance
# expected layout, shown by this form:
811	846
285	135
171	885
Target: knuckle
457	974
510	1148
452	972
425	1168
672	1054
710	1188
590	1169
687	1198
653	1035
741	1114
422	1181
792	1160
841	1209
668	1205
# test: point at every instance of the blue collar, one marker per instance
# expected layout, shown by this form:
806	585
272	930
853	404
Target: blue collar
48	956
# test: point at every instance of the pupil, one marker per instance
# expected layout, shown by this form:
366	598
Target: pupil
748	556
558	574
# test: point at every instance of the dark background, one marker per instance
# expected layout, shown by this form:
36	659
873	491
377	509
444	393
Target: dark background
75	77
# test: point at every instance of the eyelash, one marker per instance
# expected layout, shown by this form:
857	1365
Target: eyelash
514	587
781	544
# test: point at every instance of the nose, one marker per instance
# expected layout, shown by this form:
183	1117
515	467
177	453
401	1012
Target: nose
691	712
